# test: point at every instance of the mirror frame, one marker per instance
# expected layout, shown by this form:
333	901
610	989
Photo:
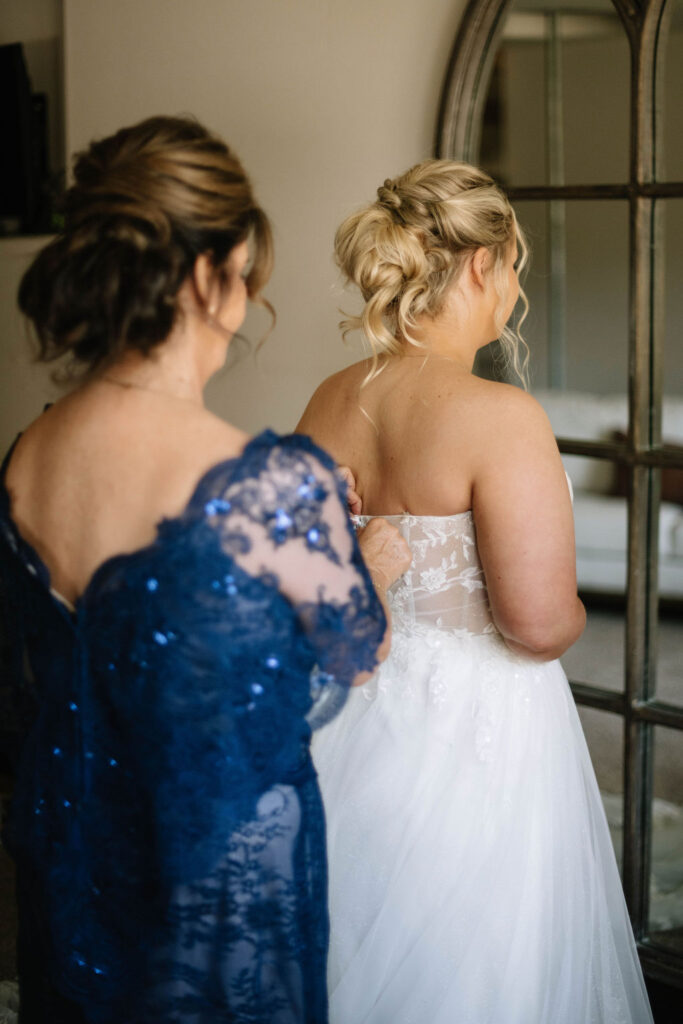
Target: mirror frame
458	136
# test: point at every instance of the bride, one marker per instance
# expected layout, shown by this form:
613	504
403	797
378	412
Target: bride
472	877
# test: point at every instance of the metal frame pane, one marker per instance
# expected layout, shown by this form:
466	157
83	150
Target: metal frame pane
457	137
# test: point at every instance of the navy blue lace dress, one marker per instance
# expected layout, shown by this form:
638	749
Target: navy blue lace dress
166	821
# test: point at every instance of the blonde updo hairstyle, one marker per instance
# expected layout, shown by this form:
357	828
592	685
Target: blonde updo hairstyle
406	250
145	203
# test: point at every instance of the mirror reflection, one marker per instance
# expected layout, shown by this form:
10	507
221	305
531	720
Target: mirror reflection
557	111
666	879
668	95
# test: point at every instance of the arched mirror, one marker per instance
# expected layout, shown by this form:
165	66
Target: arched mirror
575	107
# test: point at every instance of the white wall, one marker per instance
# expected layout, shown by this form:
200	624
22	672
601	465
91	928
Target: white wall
322	99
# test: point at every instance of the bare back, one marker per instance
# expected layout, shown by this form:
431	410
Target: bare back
412	436
93	476
427	438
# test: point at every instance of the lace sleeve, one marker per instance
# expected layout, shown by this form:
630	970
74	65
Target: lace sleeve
168	794
282	517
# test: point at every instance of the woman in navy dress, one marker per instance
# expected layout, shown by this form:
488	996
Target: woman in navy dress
185	604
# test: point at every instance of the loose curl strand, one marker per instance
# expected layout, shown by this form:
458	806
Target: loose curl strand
406	250
145	203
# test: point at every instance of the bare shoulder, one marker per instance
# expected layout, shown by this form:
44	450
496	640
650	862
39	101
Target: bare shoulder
194	441
125	436
344	382
471	411
484	409
505	405
335	401
217	433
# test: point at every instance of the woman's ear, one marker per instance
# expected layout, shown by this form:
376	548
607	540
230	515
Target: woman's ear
479	265
206	285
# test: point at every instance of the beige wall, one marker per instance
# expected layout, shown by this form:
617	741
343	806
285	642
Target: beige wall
24	386
322	99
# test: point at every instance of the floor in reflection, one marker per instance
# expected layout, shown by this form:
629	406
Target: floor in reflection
666	886
598	656
598	659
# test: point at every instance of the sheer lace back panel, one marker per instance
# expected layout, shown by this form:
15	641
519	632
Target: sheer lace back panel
445	586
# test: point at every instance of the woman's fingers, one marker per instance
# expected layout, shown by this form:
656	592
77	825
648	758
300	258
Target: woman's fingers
353	498
386	553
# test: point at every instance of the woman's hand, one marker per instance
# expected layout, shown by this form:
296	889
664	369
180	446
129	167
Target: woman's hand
385	552
353	498
387	556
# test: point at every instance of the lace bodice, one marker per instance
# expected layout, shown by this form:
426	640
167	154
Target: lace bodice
445	586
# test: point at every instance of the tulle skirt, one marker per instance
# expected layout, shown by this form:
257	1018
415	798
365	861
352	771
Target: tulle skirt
472	876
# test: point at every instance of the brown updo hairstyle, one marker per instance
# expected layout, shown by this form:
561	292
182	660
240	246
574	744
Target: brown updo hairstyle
145	203
406	250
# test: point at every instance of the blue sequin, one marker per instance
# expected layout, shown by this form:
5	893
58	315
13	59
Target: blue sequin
320	681
73	706
216	505
282	520
193	743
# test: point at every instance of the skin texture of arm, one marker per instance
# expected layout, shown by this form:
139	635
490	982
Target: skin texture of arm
525	530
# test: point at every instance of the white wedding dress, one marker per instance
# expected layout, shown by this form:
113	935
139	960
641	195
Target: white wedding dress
472	876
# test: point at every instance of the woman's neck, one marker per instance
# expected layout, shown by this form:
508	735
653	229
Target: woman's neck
465	324
178	367
441	338
162	372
